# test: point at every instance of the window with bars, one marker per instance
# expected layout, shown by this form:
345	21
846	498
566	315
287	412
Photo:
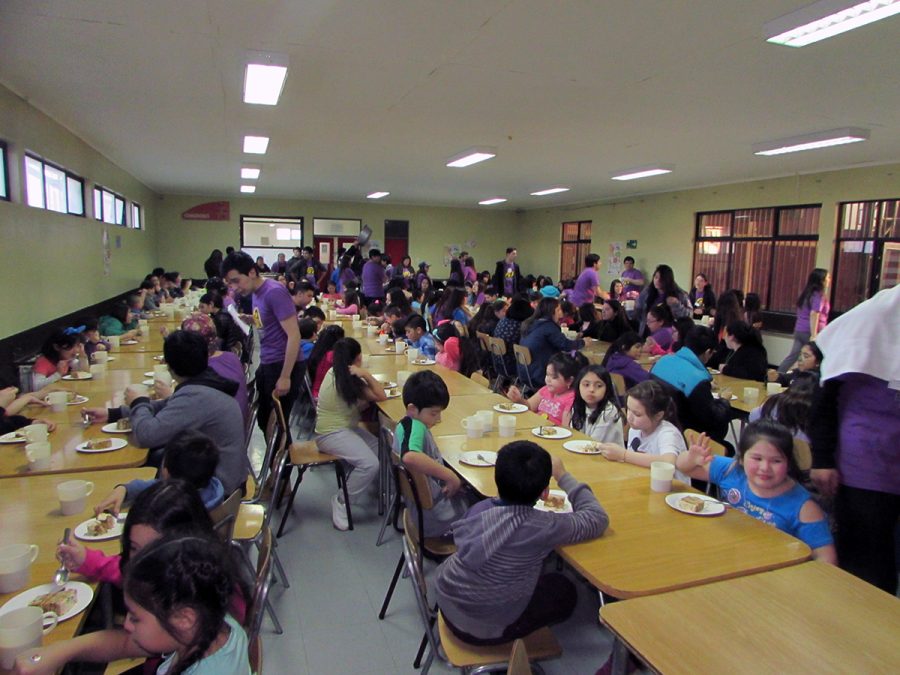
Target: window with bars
51	187
576	244
109	207
769	251
867	251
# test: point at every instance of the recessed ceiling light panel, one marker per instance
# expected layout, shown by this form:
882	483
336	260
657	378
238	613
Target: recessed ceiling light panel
492	200
641	172
256	145
248	189
471	156
264	77
825	19
377	195
822	139
249	173
550	191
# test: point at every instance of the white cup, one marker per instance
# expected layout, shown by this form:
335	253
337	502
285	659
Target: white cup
100	356
382	339
98	370
73	495
400	346
628	305
355	318
22	629
58	400
36	433
169	310
661	475
412	354
113	341
118	400
487	419
138	390
15	563
773	388
371	331
144	326
162	373
507	425
402	377
474	426
332	315
38	455
751	395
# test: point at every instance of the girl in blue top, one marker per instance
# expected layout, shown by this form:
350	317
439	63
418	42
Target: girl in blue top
762	482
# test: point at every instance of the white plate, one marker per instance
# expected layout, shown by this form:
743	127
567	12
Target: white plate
561	432
110	358
128	342
159	357
713	507
515	408
116	444
567	507
713	371
81	531
424	362
83	598
717	395
78	376
472	458
78	400
149	373
397	395
13	437
111	429
581	447
148	383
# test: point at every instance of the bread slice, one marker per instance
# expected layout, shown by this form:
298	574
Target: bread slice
692	503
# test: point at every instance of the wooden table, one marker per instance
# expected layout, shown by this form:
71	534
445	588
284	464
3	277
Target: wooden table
29	510
457	384
809	618
737	387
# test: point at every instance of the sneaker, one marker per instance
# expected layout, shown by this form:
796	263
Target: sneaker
339	514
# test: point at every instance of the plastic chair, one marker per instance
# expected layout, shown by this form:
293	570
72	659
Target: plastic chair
518	659
619	385
523	360
389	489
802	454
497	348
480	379
255	655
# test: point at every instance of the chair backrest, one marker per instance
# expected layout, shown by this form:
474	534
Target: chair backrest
276	481
410	492
462	330
802	454
619	384
518	659
480	379
523	355
483	340
261	584
716	448
412	558
275	439
497	346
255	655
225	515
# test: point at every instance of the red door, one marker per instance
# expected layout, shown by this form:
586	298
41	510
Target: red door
326	250
397	249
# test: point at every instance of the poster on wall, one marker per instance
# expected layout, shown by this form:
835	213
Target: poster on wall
107	252
614	266
451	251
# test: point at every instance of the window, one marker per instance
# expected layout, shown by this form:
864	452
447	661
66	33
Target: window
867	251
136	221
576	244
768	251
4	173
109	207
268	236
50	187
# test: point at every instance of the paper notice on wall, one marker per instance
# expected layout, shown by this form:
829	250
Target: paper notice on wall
451	251
107	252
614	266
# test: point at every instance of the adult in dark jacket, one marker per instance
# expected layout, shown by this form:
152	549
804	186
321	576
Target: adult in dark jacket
507	277
702	298
685	375
509	329
202	401
747	359
543	337
213	264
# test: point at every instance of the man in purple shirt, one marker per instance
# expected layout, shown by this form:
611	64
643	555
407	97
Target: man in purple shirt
312	269
507	277
373	278
632	278
587	287
275	317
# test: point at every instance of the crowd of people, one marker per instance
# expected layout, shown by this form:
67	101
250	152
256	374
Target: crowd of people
840	395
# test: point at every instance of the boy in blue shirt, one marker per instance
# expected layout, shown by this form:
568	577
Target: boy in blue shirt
418	337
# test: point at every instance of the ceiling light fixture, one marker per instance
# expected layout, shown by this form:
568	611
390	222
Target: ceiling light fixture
471	156
492	200
550	191
641	172
256	145
249	173
264	77
248	189
822	139
825	19
377	195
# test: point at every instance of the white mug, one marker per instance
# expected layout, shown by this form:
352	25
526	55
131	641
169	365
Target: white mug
38	455
371	331
382	339
773	388
113	341
15	564
73	495
751	394
355	318
98	370
22	629
36	433
474	426
661	475
487	419
402	377
412	354
100	356
399	346
58	400
507	425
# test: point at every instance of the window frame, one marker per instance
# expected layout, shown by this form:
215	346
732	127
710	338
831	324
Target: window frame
115	196
773	320
4	165
137	223
582	244
68	175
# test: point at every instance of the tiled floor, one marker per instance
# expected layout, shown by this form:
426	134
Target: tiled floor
338	581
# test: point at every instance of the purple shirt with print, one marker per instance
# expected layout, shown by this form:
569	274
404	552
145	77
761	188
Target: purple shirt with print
272	304
585	287
631	274
373	280
509	279
817	303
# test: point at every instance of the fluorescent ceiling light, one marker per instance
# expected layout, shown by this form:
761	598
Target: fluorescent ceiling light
492	200
825	19
550	191
642	172
822	139
256	145
471	156
249	189
264	77
249	173
377	195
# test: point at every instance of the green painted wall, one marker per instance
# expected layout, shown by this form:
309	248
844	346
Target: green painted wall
52	264
185	244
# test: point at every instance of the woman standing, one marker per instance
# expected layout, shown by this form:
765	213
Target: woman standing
812	314
663	289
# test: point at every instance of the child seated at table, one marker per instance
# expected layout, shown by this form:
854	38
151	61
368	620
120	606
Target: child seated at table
11	404
307	329
491	590
350	304
90	337
316	314
762	481
375	313
555	399
792	407
595	412
418	337
119	322
57	352
621	358
454	351
425	396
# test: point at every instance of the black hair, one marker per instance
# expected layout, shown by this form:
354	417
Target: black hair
425	389
661	312
667	280
193	457
777	434
351	297
519	309
728	310
510	249
308	249
684	325
398	328
56	342
628	258
348	386
90	323
565	365
545	310
240	261
744	333
324	344
416	322
656	399
229	250
397	297
699	340
456	271
579	408
591	259
612	287
452	299
187	354
374	253
216	285
147	285
120	311
622	344
791	408
307	328
375	308
313	312
213	299
522	472
811	344
171	276
814	283
445	331
158	271
185	572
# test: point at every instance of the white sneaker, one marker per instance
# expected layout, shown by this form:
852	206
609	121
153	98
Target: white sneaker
339	514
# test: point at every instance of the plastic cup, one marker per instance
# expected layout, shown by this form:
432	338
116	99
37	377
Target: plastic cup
402	377
773	388
382	339
507	425
371	331
98	370
113	341
22	629
58	400
100	356
412	354
661	475
751	395
38	455
355	318
35	433
15	565
487	419
162	373
332	315
474	426
73	495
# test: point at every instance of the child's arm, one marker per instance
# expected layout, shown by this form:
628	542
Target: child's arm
810	512
695	461
615	453
98	647
374	391
419	461
588	518
514	394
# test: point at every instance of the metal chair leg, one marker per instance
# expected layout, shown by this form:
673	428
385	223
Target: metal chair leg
388	516
271	611
390	591
290	504
342	483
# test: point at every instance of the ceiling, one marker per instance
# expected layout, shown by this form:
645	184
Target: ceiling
380	93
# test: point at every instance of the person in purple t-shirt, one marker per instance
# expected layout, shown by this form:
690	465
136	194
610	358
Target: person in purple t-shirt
310	268
587	286
507	277
275	316
812	314
632	278
373	278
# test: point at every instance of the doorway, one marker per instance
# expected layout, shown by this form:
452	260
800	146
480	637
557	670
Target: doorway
327	249
396	239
